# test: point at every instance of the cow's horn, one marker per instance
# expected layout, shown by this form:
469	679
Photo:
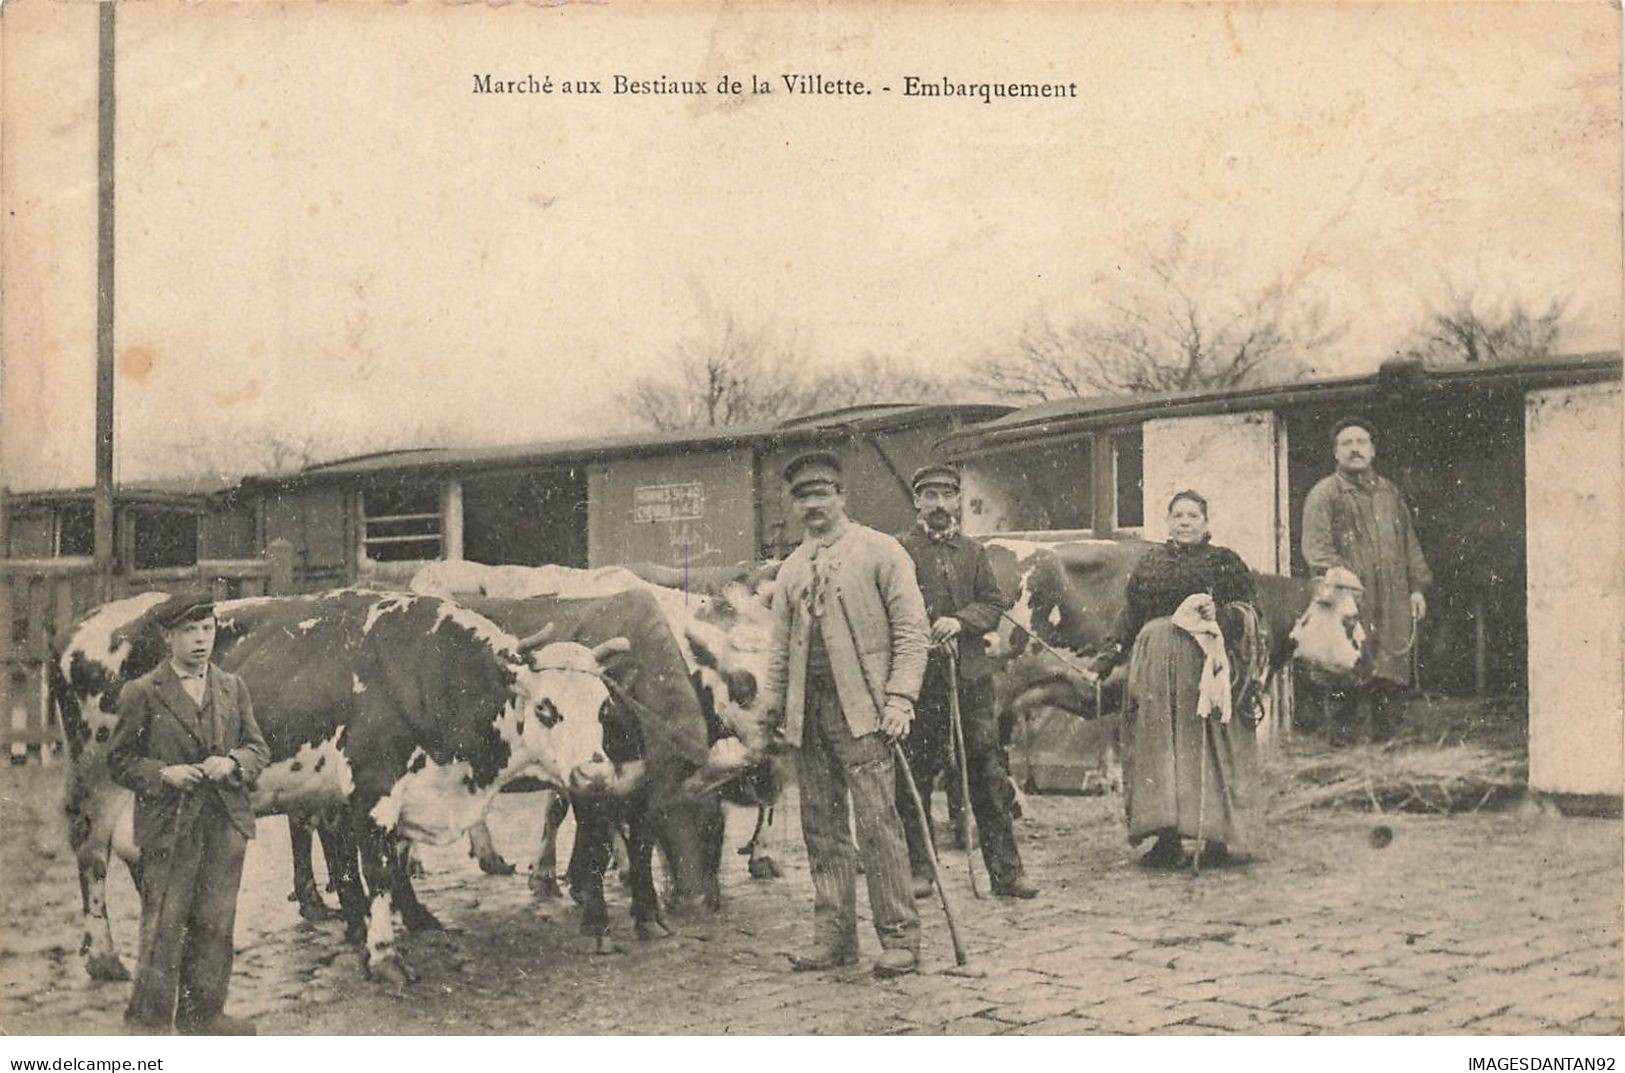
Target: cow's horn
612	647
537	639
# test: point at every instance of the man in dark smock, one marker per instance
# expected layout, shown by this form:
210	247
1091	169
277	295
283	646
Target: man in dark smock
962	602
1358	520
188	745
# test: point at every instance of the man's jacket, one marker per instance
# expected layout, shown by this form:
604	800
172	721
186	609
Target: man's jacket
956	579
873	625
159	725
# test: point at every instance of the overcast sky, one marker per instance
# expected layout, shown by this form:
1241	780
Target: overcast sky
323	233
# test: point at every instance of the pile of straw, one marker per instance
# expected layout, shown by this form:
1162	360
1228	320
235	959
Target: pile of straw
1394	778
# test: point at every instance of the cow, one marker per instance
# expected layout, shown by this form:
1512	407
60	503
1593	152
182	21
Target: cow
1069	594
404	713
677	808
722	634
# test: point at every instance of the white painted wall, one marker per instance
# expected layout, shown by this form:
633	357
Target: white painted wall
1572	493
987	507
1238	462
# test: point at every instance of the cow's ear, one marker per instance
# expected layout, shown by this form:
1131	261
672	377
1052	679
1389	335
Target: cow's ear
622	668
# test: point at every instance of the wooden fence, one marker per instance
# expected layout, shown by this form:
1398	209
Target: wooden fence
40	599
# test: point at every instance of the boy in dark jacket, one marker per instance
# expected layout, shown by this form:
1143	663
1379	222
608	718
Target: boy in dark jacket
187	744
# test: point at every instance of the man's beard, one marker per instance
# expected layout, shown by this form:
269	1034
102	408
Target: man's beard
938	520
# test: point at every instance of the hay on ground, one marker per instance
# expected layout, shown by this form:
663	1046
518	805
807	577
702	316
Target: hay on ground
1394	778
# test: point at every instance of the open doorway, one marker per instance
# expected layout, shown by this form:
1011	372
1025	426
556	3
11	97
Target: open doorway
1458	456
528	519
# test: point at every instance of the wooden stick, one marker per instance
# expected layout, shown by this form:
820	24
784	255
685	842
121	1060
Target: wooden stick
960	957
967	820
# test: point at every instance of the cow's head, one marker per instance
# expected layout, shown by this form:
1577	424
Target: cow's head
729	639
559	697
1329	638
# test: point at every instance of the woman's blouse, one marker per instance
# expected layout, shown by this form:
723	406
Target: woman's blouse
1169	573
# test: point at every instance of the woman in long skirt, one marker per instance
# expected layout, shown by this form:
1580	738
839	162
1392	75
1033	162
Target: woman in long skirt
1189	771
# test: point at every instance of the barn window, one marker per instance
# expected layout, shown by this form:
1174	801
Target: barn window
1128	466
163	538
76	529
401	522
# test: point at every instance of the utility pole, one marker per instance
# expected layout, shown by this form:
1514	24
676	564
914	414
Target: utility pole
103	517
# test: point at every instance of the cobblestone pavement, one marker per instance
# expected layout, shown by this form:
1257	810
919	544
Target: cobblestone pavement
1496	924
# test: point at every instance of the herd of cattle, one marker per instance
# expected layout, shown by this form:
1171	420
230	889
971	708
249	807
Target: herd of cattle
630	693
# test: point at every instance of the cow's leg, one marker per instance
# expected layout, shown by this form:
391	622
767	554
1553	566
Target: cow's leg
343	875
762	865
91	836
413	913
482	848
311	906
589	859
647	922
380	956
620	854
544	876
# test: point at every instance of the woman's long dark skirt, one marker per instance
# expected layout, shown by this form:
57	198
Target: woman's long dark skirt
1163	755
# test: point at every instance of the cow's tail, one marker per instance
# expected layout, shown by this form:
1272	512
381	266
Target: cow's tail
70	716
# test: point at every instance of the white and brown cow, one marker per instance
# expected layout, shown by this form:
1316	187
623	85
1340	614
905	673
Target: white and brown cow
722	632
405	713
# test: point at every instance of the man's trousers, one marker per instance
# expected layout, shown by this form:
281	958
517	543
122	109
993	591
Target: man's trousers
831	764
930	750
188	914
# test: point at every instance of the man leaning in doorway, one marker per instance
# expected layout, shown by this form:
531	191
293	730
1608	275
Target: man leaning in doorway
847	655
1359	521
188	745
963	602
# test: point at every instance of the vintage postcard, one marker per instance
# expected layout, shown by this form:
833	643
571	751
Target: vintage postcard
1084	519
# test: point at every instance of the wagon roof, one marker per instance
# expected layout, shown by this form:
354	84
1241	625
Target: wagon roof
811	428
1063	416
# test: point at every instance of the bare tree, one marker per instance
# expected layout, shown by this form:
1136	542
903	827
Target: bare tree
1175	329
873	379
1465	327
739	375
733	376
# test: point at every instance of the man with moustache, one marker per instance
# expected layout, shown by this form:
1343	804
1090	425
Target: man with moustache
962	602
1358	520
188	745
847	654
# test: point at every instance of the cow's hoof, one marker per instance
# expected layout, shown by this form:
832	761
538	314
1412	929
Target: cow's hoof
418	918
494	865
652	929
318	912
764	868
390	971
415	870
545	886
106	967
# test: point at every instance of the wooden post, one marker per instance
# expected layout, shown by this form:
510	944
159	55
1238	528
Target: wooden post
105	111
1481	648
280	552
1103	485
451	520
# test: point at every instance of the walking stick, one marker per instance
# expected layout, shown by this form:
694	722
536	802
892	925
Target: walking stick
967	820
960	957
1201	801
